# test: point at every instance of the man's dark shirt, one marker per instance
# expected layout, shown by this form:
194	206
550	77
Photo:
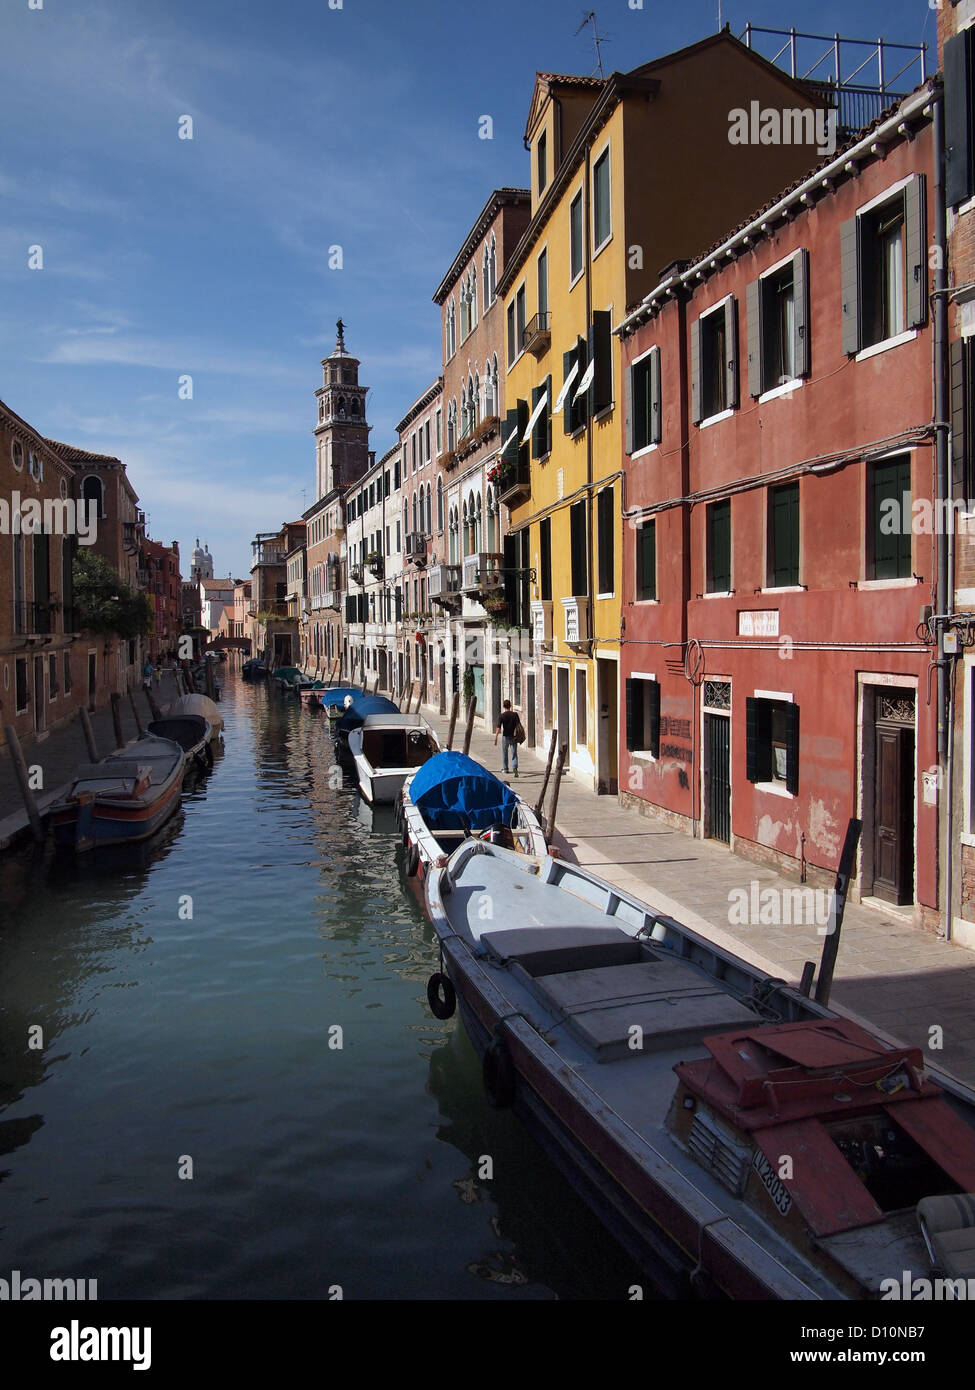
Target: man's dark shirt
508	723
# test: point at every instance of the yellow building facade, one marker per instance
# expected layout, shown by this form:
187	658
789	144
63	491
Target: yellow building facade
628	173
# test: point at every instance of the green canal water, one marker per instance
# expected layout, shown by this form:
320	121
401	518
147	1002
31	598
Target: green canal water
208	1044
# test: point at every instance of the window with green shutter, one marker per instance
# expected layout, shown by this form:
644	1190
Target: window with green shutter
643	402
783	533
719	547
643	716
606	539
545	557
579	549
772	742
646	561
889	513
575	236
601	222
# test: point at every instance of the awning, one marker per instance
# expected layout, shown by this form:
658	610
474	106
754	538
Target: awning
586	381
565	388
543	402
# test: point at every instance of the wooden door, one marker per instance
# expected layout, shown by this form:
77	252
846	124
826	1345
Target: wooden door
893	842
717	777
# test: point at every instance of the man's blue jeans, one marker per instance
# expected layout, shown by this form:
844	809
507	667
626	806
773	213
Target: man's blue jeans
508	745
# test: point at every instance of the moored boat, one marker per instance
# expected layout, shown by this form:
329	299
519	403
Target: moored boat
352	716
192	732
201	706
253	670
451	797
122	799
311	695
736	1136
336	699
387	747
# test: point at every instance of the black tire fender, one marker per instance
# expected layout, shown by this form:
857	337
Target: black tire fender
413	861
441	996
498	1072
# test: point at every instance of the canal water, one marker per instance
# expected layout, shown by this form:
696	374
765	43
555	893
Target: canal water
191	1128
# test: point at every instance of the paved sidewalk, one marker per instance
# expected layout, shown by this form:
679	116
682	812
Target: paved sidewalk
891	977
63	749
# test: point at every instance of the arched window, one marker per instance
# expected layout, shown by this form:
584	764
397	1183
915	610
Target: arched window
477	524
92	491
415	526
453	549
429	525
492	521
485	278
355	407
465	531
488	392
493	268
452	425
440	504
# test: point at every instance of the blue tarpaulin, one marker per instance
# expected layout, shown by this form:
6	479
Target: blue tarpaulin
355	716
453	792
335	694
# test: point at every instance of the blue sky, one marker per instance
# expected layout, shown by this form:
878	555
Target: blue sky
312	127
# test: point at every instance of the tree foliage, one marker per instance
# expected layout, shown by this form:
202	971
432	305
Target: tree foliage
105	602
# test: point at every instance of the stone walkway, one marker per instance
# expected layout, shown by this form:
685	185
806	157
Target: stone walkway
891	977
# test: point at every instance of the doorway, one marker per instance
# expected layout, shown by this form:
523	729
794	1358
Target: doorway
893	797
717	777
40	704
529	721
562	701
607	701
92	678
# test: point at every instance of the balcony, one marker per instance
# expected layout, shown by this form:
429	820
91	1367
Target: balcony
374	563
537	336
331	598
541	611
513	482
416	547
577	628
482	574
355	574
33	619
444	584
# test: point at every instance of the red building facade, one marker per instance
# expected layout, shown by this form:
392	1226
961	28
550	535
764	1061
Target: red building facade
779	454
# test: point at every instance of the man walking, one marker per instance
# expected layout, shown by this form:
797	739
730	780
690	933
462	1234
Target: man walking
507	724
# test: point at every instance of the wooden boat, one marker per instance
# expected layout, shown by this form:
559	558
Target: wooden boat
739	1138
193	734
287	679
200	705
253	670
386	749
311	695
452	796
123	799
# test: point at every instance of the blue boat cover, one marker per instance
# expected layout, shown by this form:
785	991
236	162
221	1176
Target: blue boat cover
355	716
335	694
453	792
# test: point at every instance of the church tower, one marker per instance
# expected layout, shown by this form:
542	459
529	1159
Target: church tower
342	434
202	564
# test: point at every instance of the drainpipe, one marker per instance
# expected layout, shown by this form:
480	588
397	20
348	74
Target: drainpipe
945	542
587	216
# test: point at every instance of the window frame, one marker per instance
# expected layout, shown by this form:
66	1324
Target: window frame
603	158
576	275
649	715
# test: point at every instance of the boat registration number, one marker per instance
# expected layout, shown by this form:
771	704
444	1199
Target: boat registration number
774	1185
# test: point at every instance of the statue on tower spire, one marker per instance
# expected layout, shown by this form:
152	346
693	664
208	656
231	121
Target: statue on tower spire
340	328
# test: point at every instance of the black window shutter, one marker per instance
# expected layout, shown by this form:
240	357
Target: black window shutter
958	414
731	346
915	218
653	741
581	406
522	452
958	119
850	269
630	716
601	352
696	414
792	749
567	360
509	453
547	415
757	741
802	353
630	406
538	429
655	423
753	310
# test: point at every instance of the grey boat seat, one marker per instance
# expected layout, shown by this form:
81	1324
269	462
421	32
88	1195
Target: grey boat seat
948	1227
561	950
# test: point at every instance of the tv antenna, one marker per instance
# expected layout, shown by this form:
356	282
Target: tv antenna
597	38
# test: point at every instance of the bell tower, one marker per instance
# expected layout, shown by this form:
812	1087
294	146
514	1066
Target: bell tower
341	434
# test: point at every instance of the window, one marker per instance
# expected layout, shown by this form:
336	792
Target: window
542	267
778	326
889	519
17	454
783	535
772	742
575	237
426	435
439	431
574	409
606	539
643	402
579	548
52	678
545	558
541	436
714	364
600	347
646	561
963	417
92	492
580	729
520	319
541	163
21	684
440	504
643	715
601	226
512	350
67	673
719	547
885	268
959	144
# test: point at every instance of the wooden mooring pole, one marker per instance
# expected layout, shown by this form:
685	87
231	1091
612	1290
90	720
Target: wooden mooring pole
469	731
559	764
151	701
89	734
837	907
23	781
117	719
135	711
548	772
454	707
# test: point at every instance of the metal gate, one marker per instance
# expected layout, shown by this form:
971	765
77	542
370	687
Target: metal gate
717	777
